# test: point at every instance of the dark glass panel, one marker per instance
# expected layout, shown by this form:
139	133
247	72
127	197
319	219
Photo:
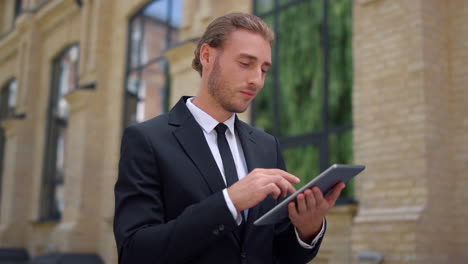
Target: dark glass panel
300	69
153	83
341	152
341	66
158	10
263	105
302	162
263	6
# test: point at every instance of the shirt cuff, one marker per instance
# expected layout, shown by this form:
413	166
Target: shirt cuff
236	215
316	239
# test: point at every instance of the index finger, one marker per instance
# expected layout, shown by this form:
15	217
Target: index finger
286	175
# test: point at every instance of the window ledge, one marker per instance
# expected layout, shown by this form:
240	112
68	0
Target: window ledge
78	98
348	208
45	222
365	2
10	122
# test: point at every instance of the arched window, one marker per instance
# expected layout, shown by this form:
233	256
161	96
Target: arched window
306	101
7	109
64	80
151	31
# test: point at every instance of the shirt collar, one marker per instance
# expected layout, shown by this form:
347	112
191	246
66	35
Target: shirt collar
207	122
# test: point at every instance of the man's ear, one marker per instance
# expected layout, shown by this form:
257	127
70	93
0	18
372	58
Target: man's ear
207	55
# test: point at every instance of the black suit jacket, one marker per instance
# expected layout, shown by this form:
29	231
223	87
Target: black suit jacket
169	206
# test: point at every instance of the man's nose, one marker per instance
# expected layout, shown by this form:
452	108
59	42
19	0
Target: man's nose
256	78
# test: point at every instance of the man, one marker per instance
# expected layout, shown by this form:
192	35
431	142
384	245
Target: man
192	181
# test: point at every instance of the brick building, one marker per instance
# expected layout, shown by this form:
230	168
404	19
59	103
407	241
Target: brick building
73	73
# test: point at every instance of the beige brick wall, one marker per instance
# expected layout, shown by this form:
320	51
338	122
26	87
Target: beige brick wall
458	56
406	120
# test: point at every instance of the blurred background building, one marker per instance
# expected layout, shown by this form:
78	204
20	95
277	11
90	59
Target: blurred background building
375	82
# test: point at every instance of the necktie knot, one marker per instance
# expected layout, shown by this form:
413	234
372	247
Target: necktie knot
221	129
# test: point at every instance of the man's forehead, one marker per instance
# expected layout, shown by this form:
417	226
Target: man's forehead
248	44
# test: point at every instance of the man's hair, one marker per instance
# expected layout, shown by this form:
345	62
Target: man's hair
219	29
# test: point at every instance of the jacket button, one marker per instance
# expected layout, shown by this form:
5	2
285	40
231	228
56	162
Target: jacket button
216	232
221	227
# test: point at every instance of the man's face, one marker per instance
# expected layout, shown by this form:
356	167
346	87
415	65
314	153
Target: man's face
239	70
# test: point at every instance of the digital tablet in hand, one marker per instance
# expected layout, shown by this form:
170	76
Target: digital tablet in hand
325	181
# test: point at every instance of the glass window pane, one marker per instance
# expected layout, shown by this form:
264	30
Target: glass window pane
59	203
340	151
263	6
152	31
263	106
154	80
341	66
12	89
157	10
154	40
2	156
8	98
134	97
135	35
300	69
65	76
131	102
176	13
68	71
302	162
283	2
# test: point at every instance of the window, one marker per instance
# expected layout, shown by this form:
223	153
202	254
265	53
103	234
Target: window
7	109
18	7
8	99
306	100
64	80
151	31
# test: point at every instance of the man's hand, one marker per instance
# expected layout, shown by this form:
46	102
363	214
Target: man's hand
259	183
307	212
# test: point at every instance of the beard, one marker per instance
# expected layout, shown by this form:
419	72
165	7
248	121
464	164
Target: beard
220	91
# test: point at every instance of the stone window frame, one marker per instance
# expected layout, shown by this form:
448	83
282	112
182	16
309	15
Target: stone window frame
51	207
7	111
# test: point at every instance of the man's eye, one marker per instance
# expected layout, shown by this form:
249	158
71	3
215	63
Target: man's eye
244	64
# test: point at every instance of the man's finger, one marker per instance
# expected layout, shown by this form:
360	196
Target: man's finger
286	175
301	203
317	195
283	184
292	210
332	197
310	199
274	190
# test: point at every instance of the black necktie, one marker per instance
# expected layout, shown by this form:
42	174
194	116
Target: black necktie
230	171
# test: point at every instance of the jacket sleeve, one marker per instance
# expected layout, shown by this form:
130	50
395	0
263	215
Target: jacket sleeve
142	233
285	246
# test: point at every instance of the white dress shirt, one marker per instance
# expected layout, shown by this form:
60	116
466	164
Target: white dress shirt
208	123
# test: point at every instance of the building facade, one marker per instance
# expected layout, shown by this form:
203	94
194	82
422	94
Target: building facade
374	82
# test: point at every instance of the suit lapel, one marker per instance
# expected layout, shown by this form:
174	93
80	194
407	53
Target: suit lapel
252	159
190	136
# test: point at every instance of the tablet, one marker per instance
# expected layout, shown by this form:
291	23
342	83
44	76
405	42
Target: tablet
325	181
